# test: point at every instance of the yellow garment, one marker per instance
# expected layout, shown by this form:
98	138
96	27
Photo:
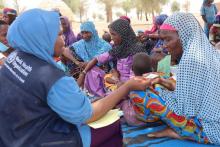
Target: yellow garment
108	86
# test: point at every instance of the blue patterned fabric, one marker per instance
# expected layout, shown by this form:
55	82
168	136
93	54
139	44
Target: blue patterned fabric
87	50
137	137
198	77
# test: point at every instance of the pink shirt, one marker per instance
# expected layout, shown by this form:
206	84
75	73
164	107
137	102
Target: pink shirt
124	66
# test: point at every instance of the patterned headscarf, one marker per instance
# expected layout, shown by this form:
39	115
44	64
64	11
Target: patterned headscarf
87	50
70	38
197	91
129	45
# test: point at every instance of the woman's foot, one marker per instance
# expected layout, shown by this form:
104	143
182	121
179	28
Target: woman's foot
168	132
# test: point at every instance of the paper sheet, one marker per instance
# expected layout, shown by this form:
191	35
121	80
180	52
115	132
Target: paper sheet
2	56
164	65
152	76
109	118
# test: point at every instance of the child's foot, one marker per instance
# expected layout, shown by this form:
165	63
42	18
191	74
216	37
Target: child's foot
168	132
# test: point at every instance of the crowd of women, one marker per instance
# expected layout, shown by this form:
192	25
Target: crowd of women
53	83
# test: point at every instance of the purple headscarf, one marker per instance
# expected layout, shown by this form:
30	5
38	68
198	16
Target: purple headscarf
69	35
160	19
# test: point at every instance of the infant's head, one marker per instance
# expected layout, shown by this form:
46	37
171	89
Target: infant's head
141	64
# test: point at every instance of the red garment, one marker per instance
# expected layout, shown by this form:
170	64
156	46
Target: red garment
151	31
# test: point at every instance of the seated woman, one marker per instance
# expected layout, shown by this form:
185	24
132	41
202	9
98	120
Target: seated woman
191	107
152	40
91	45
40	105
5	50
70	38
87	48
125	46
9	15
158	21
159	45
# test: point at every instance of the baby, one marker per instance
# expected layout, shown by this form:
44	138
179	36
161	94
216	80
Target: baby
142	66
142	63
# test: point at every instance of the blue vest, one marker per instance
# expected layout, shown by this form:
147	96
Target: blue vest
26	120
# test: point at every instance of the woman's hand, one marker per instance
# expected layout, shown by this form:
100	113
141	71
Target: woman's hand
170	84
82	65
157	50
81	79
138	83
119	84
68	55
102	106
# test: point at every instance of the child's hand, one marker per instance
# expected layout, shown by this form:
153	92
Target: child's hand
167	83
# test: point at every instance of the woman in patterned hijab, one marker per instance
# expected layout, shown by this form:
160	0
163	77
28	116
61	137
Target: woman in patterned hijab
125	46
194	102
197	89
129	44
